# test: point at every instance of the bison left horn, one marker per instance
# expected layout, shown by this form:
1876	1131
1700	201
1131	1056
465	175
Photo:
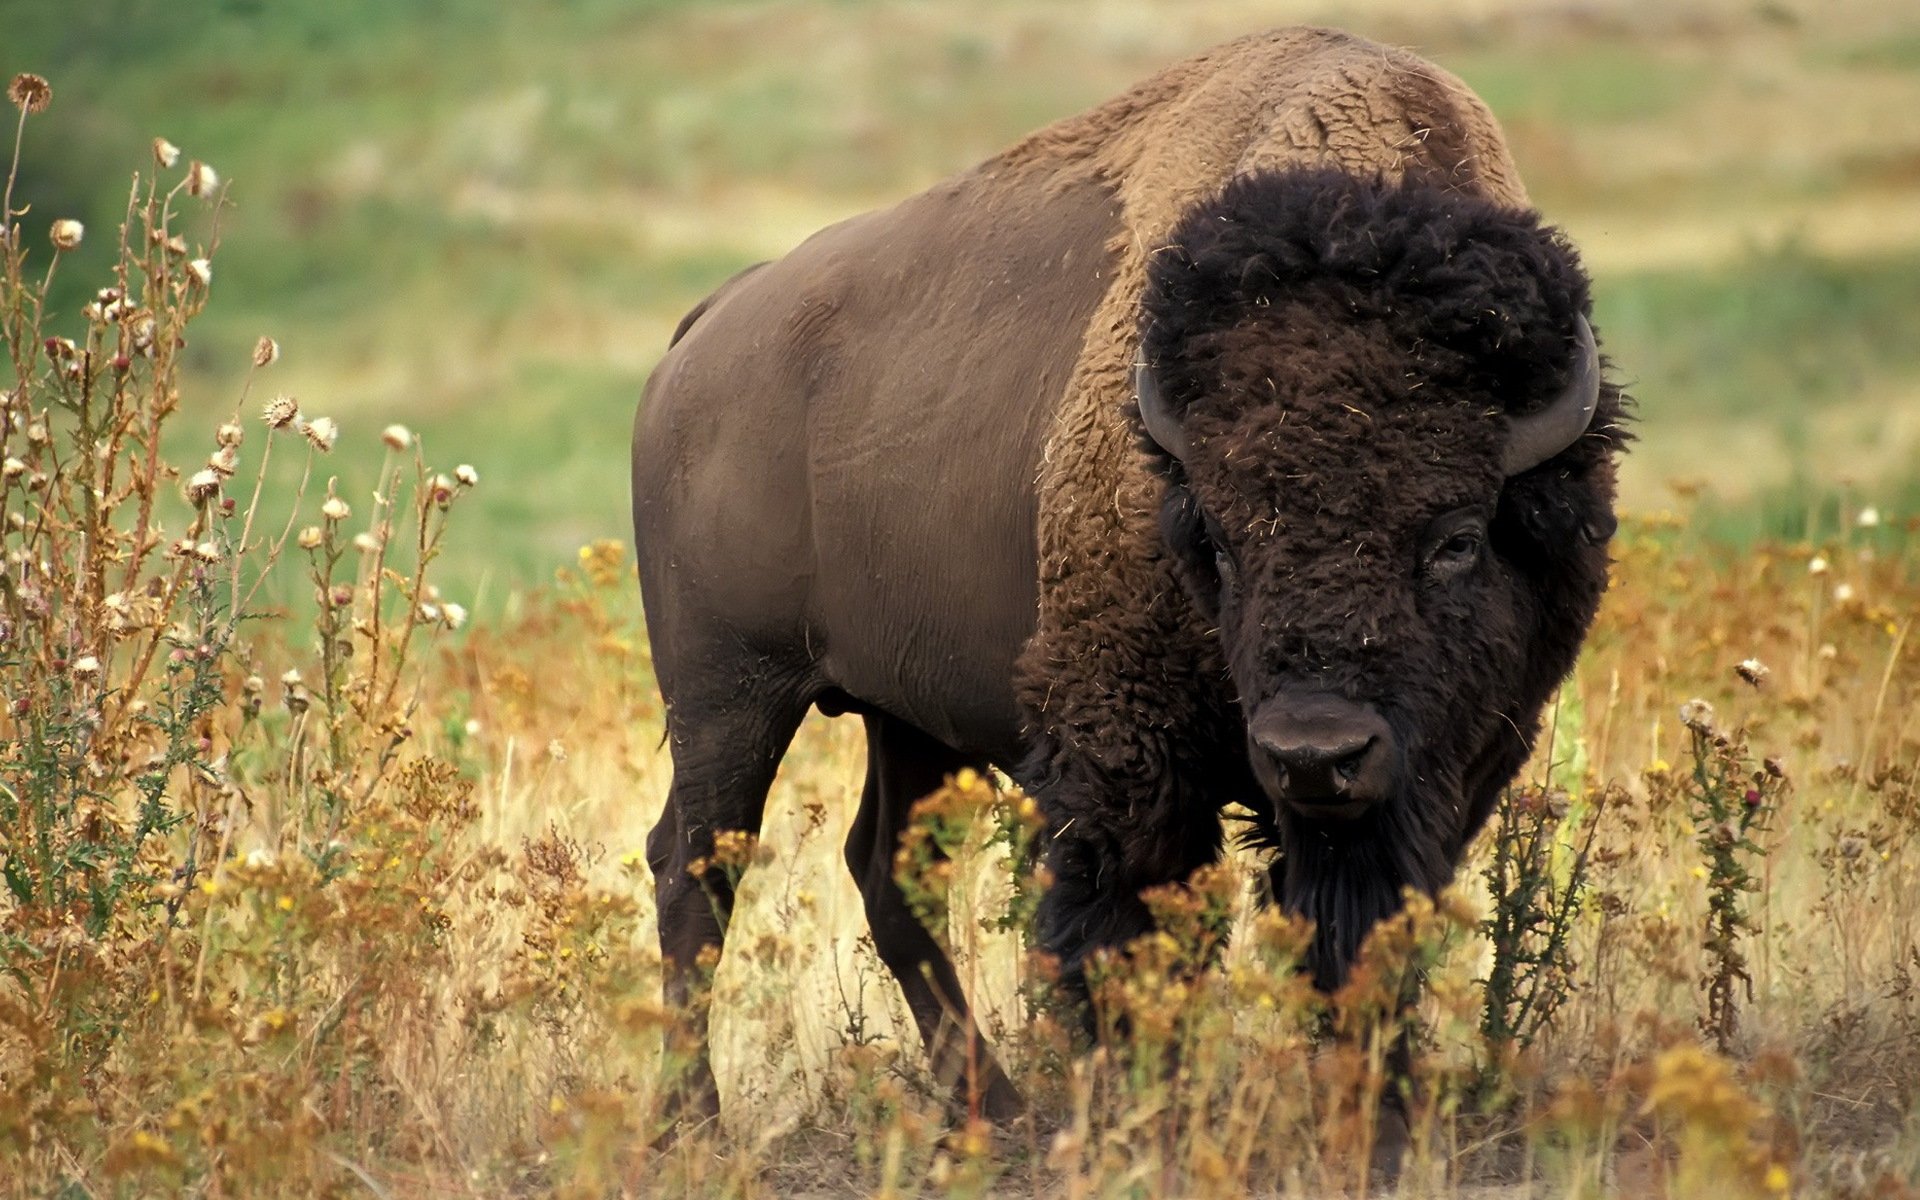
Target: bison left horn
1537	437
1162	426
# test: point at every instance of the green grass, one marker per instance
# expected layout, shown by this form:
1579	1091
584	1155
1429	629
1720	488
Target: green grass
1581	83
450	212
1765	339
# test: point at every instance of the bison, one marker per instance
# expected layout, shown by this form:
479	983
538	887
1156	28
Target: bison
1242	440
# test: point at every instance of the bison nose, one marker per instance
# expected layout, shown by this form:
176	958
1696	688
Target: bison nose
1323	755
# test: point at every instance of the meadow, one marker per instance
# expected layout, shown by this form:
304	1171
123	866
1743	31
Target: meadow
330	744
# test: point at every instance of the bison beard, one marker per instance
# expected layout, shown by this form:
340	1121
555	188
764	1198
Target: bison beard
1484	297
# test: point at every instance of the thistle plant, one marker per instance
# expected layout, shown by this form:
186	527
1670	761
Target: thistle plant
1537	875
1731	803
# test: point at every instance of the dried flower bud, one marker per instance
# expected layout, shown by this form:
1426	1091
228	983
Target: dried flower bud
165	152
365	543
266	352
341	595
201	179
85	667
466	476
441	489
280	412
1869	517
1753	671
37	433
454	614
224	460
335	509
13	468
1842	593
200	271
1697	715
1817	565
397	437
322	432
66	233
290	679
177	246
204	486
30	93
311	537
428	614
229	434
207	552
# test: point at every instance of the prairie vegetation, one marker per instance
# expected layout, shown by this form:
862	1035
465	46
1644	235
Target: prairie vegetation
314	885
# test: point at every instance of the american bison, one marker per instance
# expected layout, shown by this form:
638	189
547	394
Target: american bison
1242	440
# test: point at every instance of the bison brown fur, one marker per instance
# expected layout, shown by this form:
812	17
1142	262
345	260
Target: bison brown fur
1329	570
1338	351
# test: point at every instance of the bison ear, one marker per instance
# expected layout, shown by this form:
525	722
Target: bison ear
1162	426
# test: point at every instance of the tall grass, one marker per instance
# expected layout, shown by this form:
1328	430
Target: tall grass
328	898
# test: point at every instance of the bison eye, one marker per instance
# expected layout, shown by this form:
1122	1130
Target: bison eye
1455	546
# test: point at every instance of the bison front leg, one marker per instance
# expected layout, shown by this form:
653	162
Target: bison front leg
1108	841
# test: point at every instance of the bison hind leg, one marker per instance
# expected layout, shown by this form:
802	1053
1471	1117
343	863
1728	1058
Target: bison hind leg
724	754
903	766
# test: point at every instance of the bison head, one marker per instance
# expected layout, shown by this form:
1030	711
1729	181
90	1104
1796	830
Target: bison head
1380	413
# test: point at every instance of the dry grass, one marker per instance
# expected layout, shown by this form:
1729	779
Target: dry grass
386	927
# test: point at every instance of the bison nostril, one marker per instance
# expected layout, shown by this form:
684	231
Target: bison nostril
1349	760
1316	766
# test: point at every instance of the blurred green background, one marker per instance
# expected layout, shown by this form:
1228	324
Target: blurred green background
483	219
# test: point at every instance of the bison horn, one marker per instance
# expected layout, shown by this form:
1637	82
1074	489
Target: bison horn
1537	437
1161	425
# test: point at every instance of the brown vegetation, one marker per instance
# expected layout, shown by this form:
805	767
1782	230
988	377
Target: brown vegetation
383	924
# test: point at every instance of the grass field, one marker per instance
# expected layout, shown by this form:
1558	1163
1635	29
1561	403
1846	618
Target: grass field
383	928
487	219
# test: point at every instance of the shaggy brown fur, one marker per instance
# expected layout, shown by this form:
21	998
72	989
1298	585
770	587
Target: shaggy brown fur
1333	347
895	472
1121	668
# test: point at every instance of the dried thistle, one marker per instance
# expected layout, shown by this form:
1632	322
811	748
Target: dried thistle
202	179
30	93
321	432
280	412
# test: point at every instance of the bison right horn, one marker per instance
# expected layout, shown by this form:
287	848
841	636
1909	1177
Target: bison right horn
1161	425
1537	437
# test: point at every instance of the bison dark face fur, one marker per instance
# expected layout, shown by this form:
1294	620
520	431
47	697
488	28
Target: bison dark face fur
1351	388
